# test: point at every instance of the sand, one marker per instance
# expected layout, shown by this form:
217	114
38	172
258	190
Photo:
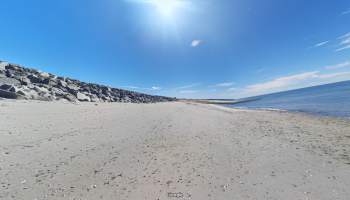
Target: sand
55	150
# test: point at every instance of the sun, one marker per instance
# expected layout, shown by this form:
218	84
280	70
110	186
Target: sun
166	6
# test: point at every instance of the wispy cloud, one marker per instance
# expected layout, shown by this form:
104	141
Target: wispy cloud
339	66
346	12
260	70
188	91
344	36
187	86
223	84
129	87
343	48
212	90
318	45
277	76
195	43
235	89
310	37
332	75
133	87
280	82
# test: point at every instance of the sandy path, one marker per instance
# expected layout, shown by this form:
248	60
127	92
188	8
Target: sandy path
51	150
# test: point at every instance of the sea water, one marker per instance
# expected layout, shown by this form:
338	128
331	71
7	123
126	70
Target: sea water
324	100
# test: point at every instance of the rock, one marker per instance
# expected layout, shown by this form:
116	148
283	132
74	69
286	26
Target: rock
61	78
2	76
95	99
63	100
9	81
62	83
44	74
11	95
3	65
14	89
69	97
35	79
25	81
82	97
74	101
6	87
50	82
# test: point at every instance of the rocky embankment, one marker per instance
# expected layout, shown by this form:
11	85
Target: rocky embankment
18	82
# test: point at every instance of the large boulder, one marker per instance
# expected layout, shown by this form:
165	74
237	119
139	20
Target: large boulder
62	83
69	97
36	79
3	65
11	95
82	97
50	81
9	81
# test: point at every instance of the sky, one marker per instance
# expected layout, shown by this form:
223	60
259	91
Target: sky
218	49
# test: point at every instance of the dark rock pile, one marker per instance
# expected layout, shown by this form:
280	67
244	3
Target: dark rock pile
17	82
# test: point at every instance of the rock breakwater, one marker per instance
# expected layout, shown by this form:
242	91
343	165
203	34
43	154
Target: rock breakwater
18	82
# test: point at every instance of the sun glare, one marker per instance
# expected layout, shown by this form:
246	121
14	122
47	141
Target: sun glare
166	6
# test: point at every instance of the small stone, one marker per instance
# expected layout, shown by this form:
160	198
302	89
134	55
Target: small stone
294	185
1	167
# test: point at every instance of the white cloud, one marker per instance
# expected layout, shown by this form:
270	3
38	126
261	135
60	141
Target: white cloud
188	91
195	43
260	70
346	12
234	89
318	45
332	75
212	90
280	82
223	84
152	88
344	36
343	48
339	66
129	86
321	44
186	86
277	76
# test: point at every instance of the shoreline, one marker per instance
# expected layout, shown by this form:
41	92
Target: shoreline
51	150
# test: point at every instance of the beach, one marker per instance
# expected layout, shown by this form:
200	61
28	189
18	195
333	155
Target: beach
87	150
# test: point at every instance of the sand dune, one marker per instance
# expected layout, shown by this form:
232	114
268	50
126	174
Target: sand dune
51	150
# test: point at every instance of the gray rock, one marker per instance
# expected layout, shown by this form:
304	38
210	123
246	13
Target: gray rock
11	95
44	74
50	82
63	100
9	81
25	81
6	87
61	78
95	99
74	101
3	65
62	83
69	97
35	79
82	97
14	89
2	76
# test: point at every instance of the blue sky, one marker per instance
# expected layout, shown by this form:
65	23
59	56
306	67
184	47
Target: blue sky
185	49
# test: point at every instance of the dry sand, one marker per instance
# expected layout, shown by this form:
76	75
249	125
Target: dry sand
51	150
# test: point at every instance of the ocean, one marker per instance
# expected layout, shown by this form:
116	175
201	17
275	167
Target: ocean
332	100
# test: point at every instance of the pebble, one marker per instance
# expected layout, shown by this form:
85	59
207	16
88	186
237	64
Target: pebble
1	168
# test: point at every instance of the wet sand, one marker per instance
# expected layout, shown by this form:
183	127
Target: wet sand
51	150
